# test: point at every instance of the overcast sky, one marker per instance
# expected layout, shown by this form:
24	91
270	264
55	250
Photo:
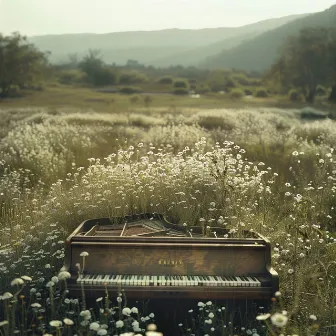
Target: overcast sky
40	17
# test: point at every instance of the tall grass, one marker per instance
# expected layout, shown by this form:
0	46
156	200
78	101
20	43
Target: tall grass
259	169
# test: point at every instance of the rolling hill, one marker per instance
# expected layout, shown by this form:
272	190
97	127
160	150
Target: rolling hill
160	48
260	52
196	55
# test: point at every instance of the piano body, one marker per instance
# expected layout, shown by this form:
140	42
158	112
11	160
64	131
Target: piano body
149	257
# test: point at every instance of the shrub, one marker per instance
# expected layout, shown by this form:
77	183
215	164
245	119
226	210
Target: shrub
321	90
134	99
248	92
237	93
69	77
14	91
181	84
311	113
180	91
132	77
241	79
230	83
130	89
261	93
166	80
294	95
203	88
148	100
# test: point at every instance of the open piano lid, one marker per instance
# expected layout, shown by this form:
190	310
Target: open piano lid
148	225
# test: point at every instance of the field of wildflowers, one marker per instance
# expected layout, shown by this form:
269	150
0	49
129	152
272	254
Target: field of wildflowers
261	169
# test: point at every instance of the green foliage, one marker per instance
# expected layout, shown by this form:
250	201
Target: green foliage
321	90
180	91
248	92
305	61
203	88
166	80
134	99
216	80
130	89
181	84
21	63
132	77
332	96
73	76
261	93
98	74
311	113
148	100
241	79
294	95
237	93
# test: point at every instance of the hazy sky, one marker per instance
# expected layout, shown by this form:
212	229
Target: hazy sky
39	17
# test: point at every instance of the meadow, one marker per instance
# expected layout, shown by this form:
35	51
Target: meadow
240	166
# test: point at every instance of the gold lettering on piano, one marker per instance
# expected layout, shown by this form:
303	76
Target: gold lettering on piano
170	262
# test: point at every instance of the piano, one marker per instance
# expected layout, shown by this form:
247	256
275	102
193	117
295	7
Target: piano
149	257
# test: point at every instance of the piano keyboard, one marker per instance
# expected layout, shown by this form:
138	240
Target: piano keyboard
169	280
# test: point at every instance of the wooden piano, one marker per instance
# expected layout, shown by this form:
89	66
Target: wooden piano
149	257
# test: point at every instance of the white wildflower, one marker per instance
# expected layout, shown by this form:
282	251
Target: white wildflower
119	324
94	326
17	282
126	311
279	320
68	321
55	323
64	275
263	317
134	310
101	332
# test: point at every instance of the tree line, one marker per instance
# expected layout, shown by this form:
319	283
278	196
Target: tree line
305	62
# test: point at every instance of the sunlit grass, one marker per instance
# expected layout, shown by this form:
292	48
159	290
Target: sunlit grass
259	169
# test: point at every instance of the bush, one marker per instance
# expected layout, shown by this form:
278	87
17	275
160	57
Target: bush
248	92
294	95
130	89
132	77
241	79
237	93
69	77
134	99
321	90
230	83
148	100
14	92
310	113
181	84
180	91
104	76
166	80
203	88
261	93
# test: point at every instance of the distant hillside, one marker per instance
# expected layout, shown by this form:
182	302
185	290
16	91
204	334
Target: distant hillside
260	52
196	55
161	48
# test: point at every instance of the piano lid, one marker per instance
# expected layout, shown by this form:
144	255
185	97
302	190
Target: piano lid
150	225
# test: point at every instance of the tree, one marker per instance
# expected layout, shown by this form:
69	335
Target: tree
332	62
97	72
21	63
303	62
